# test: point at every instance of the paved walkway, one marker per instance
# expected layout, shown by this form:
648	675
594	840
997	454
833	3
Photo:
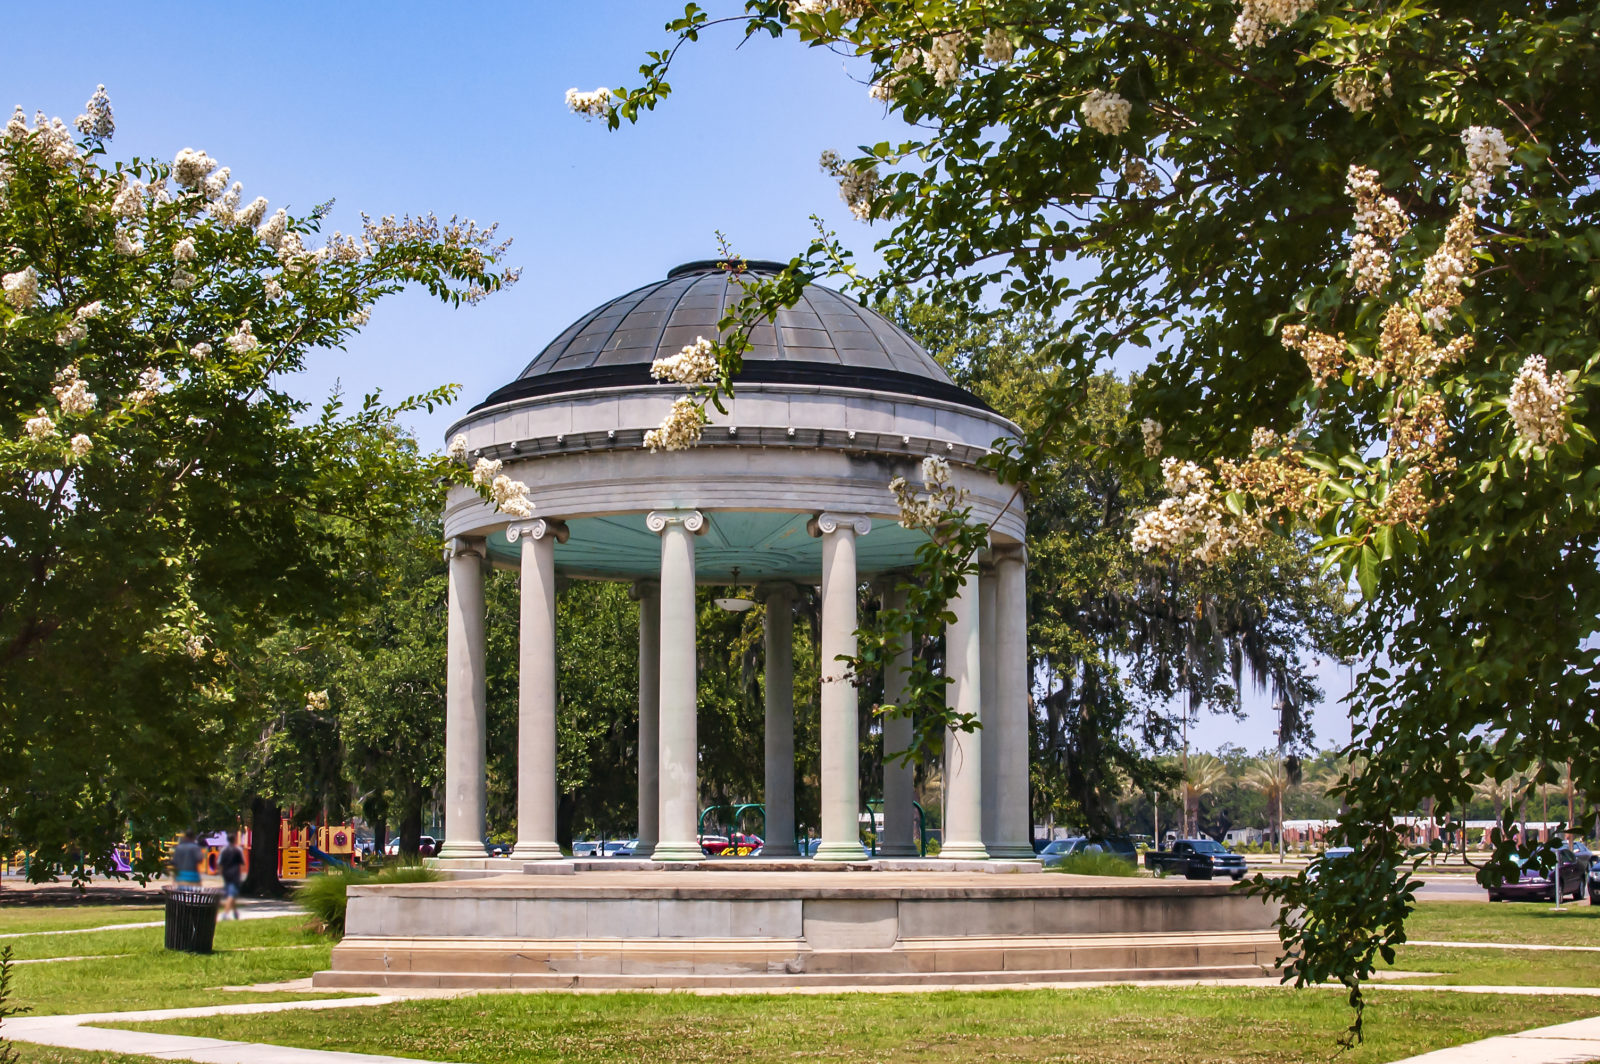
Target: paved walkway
1501	945
1565	1043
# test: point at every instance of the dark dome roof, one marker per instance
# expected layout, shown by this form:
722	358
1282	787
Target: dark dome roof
826	338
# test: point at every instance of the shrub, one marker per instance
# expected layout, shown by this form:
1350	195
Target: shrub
8	1055
1094	864
327	896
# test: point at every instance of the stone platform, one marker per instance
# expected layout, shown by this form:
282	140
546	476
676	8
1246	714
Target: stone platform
625	929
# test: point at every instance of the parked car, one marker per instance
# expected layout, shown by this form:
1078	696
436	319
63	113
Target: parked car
619	848
1196	859
1060	849
809	848
585	848
1332	853
1537	884
427	846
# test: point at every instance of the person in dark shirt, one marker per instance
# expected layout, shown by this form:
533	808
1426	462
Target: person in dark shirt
187	857
231	865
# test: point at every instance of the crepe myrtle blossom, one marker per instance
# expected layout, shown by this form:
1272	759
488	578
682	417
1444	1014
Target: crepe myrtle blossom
856	185
1193	519
72	393
997	46
97	120
1261	20
694	364
21	288
511	496
1152	431
929	508
316	701
81	445
149	386
1105	112
680	429
1141	177
1448	268
1352	89
1487	155
1538	404
190	168
458	448
596	104
945	56
184	250
272	289
201	350
271	231
1379	222
127	245
242	341
484	472
129	200
40	427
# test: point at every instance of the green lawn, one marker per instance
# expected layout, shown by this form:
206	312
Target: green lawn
1500	967
22	918
1111	1024
1534	923
146	976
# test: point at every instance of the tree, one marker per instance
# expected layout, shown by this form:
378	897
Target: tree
167	504
1270	776
1203	775
1360	239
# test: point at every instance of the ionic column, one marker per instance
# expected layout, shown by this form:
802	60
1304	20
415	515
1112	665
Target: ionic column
778	827
536	690
899	777
679	768
465	804
963	751
986	596
1009	731
648	594
840	740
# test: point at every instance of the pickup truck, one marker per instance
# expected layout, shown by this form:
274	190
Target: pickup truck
1196	859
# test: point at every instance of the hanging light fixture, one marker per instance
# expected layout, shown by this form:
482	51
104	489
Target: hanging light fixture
736	604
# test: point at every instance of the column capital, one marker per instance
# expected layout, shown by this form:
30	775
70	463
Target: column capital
658	520
463	546
538	528
1009	552
643	589
827	522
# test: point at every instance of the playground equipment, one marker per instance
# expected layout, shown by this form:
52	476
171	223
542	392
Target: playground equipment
740	843
875	809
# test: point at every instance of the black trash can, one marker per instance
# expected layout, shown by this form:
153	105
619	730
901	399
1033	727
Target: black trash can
191	919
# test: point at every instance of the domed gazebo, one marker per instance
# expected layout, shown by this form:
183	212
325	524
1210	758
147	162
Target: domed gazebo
789	488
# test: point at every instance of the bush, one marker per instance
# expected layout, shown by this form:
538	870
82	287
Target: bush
327	896
1094	864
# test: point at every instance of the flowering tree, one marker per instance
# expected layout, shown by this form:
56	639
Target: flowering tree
1360	240
164	501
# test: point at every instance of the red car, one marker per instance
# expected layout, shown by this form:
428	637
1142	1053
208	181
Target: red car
1536	885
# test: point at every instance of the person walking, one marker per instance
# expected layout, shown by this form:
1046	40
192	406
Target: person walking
231	865
187	857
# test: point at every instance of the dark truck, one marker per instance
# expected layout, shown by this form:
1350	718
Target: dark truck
1196	859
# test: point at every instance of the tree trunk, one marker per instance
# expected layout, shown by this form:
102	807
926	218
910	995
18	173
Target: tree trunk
411	829
262	880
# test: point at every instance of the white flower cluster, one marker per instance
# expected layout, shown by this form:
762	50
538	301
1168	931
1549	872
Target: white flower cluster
97	121
998	47
184	250
50	135
149	386
72	393
485	471
884	88
242	341
1192	519
1487	155
1538	404
272	289
1260	20
596	104
359	318
1352	89
81	445
271	232
41	427
1152	431
1379	222
945	56
21	288
1448	268
190	168
127	244
71	334
1105	112
316	701
201	350
1141	177
129	200
680	429
692	365
931	507
458	448
1263	438
511	496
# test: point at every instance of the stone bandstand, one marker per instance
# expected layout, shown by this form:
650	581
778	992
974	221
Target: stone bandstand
789	488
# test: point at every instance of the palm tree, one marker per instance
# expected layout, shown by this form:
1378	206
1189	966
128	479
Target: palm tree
1269	776
1202	775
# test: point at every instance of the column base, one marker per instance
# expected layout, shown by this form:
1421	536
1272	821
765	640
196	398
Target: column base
678	851
1002	852
537	851
644	849
839	851
966	851
452	851
769	850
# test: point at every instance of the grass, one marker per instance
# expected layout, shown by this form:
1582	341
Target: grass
326	897
17	919
1110	1024
1094	864
1496	967
146	976
1532	923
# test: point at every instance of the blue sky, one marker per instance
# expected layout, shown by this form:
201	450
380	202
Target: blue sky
458	109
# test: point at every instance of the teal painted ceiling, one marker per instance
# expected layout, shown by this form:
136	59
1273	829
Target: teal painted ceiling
764	546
